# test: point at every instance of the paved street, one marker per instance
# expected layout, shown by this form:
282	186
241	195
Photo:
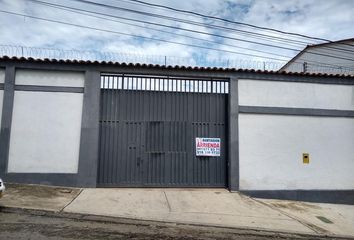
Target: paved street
216	208
21	226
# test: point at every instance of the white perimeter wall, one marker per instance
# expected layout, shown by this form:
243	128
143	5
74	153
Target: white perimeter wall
49	78
2	80
271	146
297	95
46	126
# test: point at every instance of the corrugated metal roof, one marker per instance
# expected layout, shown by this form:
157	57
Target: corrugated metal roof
176	67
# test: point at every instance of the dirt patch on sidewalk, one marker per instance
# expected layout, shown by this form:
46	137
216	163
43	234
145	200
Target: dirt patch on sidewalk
38	196
297	206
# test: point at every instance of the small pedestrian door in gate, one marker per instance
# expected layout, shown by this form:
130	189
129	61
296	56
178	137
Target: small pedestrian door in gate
148	131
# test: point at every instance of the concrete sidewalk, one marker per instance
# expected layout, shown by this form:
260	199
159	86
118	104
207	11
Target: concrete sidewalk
210	207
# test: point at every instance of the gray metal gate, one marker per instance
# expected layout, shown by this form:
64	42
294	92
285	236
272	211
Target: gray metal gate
148	126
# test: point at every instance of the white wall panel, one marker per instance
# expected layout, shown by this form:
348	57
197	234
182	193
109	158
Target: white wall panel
271	148
2	75
2	80
49	78
293	94
1	101
45	133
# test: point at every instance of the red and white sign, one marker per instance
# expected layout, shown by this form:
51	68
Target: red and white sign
207	147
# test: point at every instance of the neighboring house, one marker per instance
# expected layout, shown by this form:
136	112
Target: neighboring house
332	58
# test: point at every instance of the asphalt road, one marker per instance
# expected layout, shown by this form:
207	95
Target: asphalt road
28	226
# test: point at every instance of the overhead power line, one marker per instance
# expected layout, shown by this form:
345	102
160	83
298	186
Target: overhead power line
187	21
133	35
230	21
253	33
167	26
186	12
69	9
240	32
189	30
143	37
98	16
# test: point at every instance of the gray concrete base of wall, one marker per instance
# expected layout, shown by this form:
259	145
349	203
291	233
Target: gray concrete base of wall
53	179
321	196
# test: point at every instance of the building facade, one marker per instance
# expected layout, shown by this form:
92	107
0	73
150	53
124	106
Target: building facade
104	124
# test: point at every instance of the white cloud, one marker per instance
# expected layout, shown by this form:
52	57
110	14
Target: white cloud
311	17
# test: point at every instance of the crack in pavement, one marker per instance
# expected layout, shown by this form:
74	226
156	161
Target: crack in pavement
168	203
72	200
311	226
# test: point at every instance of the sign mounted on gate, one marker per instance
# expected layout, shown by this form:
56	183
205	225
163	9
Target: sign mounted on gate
209	147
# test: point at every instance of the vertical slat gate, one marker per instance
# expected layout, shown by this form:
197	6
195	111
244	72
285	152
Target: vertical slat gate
148	126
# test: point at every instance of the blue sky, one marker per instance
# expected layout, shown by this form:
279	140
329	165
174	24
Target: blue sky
331	19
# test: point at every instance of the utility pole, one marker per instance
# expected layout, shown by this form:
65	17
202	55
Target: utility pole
305	67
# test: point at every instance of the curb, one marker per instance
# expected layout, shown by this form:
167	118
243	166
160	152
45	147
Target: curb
151	223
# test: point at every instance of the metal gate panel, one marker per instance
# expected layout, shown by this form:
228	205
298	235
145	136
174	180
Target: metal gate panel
148	127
